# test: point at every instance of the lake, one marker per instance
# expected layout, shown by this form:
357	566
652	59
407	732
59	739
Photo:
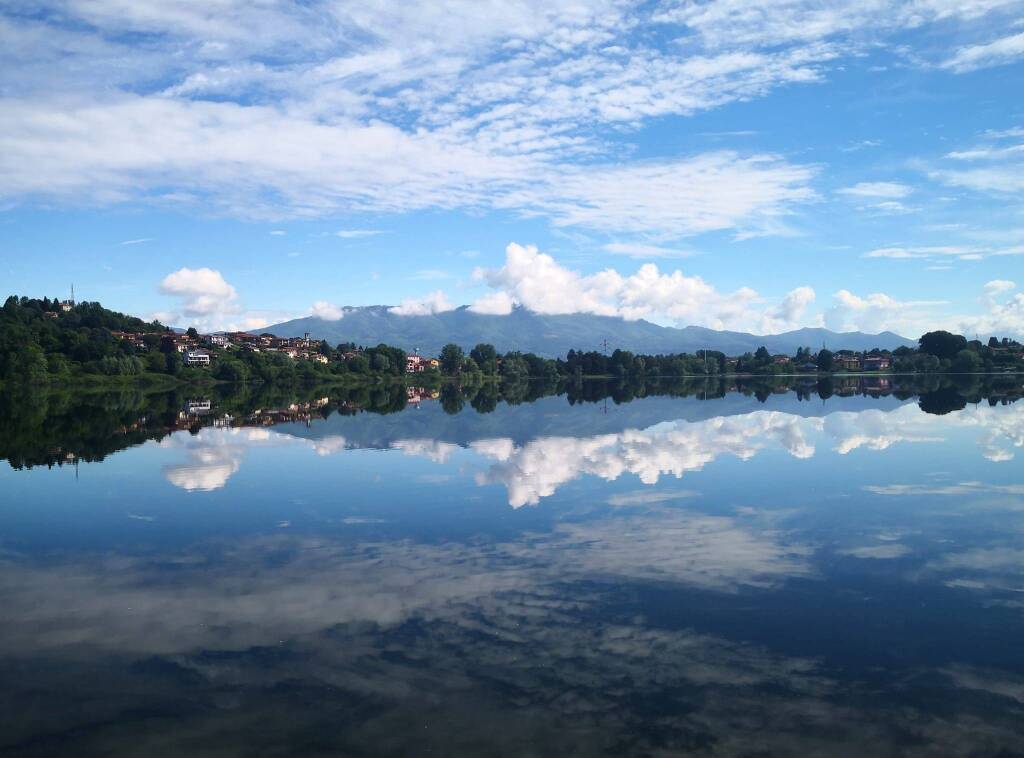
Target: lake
711	569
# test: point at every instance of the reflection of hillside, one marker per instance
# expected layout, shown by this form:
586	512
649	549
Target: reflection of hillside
54	428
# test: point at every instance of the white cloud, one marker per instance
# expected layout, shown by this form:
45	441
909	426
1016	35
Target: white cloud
327	311
357	233
270	110
642	250
998	287
879	312
892	190
139	241
790	312
208	302
204	292
709	192
495	304
736	23
996	53
995	166
434	302
536	281
929	251
1000	318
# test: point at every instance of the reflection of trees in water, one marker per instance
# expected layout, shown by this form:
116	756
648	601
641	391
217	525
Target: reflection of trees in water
47	426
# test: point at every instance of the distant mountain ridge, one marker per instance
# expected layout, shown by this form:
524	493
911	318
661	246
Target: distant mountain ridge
554	335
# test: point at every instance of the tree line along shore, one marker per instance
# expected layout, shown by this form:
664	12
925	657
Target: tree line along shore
52	341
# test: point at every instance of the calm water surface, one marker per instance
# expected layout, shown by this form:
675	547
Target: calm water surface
761	573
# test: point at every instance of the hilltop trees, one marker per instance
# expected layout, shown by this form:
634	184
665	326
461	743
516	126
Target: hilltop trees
943	345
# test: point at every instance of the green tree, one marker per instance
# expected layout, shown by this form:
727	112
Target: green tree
486	357
966	362
451	359
825	360
943	345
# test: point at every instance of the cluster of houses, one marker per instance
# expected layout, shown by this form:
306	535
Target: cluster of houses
194	349
843	360
417	364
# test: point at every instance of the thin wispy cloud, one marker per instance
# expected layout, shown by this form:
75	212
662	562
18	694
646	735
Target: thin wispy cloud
353	234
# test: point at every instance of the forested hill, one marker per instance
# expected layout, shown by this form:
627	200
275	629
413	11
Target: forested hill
41	336
554	335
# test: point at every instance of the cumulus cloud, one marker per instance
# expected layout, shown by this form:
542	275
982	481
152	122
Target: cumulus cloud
536	281
327	311
1001	317
792	309
205	297
495	304
207	301
879	312
433	302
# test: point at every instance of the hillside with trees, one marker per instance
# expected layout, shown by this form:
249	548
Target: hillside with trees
47	341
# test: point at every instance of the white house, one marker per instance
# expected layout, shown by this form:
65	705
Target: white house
197	358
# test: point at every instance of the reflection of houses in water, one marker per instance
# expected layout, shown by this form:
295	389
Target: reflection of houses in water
201	412
876	384
294	412
416	395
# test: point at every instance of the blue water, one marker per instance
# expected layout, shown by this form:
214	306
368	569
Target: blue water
729	576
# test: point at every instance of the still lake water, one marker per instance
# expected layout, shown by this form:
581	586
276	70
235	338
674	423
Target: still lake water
769	573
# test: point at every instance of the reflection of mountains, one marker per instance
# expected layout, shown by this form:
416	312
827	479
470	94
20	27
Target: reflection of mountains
534	450
554	417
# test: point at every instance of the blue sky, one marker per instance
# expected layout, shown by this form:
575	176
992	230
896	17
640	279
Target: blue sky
754	166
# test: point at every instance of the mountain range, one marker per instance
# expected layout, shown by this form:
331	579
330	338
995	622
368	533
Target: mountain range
554	335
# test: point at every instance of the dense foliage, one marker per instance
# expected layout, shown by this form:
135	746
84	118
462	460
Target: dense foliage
45	341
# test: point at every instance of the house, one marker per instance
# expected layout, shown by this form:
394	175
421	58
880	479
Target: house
318	357
877	363
780	360
67	305
413	364
134	339
846	362
218	340
197	358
